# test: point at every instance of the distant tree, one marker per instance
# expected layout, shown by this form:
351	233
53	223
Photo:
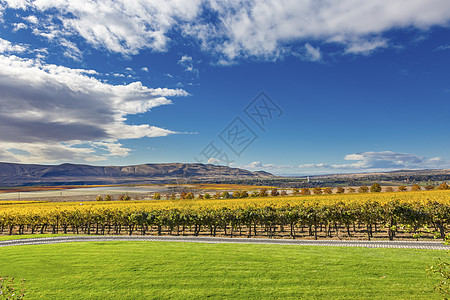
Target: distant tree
200	196
351	190
217	195
317	190
402	188
183	195
225	195
389	189
156	196
443	186
340	190
375	188
415	187
108	198
263	193
124	197
207	196
254	194
243	194
295	192
363	189
328	190
274	193
429	187
283	193
173	197
190	195
305	191
99	198
236	194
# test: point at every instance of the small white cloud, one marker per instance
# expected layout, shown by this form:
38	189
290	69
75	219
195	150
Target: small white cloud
168	75
442	47
31	19
128	69
188	64
8	47
145	69
19	26
312	54
365	47
214	161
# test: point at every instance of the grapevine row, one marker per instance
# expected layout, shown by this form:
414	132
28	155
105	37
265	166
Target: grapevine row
313	220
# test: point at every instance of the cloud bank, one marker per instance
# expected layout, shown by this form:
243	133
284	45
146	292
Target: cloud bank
230	29
53	113
360	162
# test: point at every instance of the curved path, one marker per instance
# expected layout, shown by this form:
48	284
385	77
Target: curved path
215	240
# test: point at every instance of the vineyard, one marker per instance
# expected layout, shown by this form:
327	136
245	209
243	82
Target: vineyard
423	214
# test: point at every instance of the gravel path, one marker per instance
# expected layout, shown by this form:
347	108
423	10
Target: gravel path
213	240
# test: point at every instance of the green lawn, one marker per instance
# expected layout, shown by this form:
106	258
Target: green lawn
148	270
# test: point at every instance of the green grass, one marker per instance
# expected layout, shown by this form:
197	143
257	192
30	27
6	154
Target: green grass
148	270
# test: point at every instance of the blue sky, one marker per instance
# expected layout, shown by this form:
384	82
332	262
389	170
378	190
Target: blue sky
345	86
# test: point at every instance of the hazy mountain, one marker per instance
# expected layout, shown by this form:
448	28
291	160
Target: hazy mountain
25	174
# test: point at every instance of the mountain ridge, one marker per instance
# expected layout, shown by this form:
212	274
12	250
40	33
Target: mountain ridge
14	174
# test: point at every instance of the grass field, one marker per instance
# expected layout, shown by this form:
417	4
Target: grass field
148	270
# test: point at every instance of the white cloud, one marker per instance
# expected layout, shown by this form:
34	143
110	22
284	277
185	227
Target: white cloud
312	54
361	162
214	161
8	47
18	26
31	19
187	63
442	47
252	28
365	46
145	69
262	28
54	112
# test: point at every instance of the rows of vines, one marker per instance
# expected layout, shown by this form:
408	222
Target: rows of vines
392	218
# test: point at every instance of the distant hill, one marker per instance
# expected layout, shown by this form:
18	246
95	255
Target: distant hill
12	174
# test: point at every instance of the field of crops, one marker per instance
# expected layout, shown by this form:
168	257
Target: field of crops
420	214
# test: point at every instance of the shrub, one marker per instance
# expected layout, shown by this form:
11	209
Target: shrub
226	195
295	192
305	191
207	196
99	198
327	190
363	189
124	197
443	186
317	191
156	196
375	188
429	187
402	188
340	190
263	193
108	198
274	193
415	187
